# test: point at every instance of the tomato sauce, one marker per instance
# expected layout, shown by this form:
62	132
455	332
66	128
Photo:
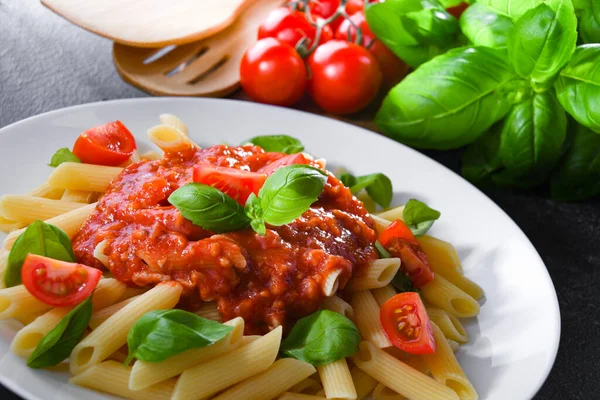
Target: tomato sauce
269	281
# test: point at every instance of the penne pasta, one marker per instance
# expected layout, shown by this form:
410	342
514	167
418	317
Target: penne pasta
209	311
8	225
3	266
337	380
146	374
47	191
79	196
113	378
445	368
150	156
338	305
383	294
453	345
379	274
27	339
331	282
131	291
380	223
383	392
280	376
449	324
101	315
398	376
16	301
174	121
208	378
108	291
367	318
299	396
26	209
307	386
440	253
78	176
110	335
363	382
392	214
170	139
443	294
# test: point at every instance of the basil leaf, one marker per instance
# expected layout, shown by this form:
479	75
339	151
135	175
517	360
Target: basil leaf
577	176
63	155
578	86
532	140
511	8
289	192
255	213
347	179
482	157
378	186
321	338
419	216
588	15
543	40
403	284
430	23
383	253
209	208
278	143
161	334
484	26
57	344
449	101
39	238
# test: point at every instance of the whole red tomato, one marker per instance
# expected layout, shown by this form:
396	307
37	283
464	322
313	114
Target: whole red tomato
353	6
392	68
273	72
290	27
325	9
344	78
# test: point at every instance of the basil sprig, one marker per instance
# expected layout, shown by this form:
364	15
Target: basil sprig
321	338
161	334
378	186
278	143
63	155
285	196
39	238
57	344
419	216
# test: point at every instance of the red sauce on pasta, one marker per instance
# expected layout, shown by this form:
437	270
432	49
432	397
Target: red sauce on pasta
269	281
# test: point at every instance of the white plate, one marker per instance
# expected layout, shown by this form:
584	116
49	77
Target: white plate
514	340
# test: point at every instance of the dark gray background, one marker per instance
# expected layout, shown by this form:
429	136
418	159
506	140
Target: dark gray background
46	63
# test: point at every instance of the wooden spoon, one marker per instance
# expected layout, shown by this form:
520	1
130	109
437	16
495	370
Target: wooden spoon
209	67
151	23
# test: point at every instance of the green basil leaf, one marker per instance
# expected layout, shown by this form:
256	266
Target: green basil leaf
63	155
543	40
588	15
289	192
578	86
431	24
209	208
532	139
511	8
484	26
378	186
452	3
161	334
403	284
39	238
419	216
278	143
347	179
383	253
577	176
449	101
57	344
482	157
254	212
321	338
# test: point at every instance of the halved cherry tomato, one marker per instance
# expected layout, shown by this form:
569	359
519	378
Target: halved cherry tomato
58	283
297	158
290	27
109	144
407	325
397	229
458	10
235	183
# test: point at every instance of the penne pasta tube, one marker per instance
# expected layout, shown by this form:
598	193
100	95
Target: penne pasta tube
453	345
47	191
367	310
26	209
150	156
69	222
16	301
337	380
379	274
299	396
338	305
79	196
440	253
331	282
384	294
392	214
443	294
170	139
78	176
280	376
27	339
132	292
8	225
449	324
102	314
3	266
174	121
307	386
206	379
383	392
108	291
113	378
445	368
209	311
363	382
109	336
380	223
146	374
398	376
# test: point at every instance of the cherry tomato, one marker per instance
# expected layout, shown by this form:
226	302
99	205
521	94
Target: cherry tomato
392	68
353	6
290	27
397	229
407	325
273	72
344	77
297	158
458	10
234	182
58	283
325	9
108	144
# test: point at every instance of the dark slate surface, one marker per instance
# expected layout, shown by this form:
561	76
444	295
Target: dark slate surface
46	63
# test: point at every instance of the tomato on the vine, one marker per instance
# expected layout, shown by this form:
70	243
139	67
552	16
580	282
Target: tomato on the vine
344	78
354	6
325	9
392	68
273	72
290	27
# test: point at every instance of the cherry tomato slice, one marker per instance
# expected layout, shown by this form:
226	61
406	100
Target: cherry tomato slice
397	229
110	144
298	158
406	324
58	283
235	183
290	27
